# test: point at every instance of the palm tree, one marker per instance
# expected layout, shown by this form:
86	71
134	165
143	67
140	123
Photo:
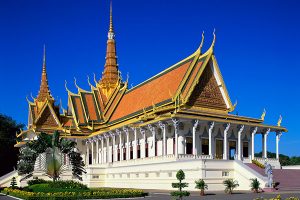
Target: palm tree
54	149
201	185
230	185
255	185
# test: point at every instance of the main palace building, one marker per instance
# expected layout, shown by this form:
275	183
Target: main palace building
140	137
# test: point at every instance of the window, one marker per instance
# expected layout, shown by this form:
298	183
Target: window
170	174
225	173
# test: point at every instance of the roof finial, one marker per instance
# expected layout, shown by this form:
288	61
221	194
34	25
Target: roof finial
214	40
111	34
201	44
44	60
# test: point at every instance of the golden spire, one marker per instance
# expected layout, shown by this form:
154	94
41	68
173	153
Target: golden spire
111	75
44	92
111	27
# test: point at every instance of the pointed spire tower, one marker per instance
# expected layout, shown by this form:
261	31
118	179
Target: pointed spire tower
111	76
44	93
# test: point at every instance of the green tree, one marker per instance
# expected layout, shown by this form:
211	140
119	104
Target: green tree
201	185
13	183
283	159
230	185
8	153
54	150
180	177
255	185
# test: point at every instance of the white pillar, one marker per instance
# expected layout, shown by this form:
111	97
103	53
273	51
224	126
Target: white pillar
240	142
143	145
107	150
121	146
87	153
253	142
163	128
176	124
127	143
265	143
134	143
115	156
278	135
211	126
102	151
92	144
195	125
225	143
97	151
152	130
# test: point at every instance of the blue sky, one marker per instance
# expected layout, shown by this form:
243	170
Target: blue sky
257	49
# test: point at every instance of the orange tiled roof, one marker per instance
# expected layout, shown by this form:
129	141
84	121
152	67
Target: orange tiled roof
152	92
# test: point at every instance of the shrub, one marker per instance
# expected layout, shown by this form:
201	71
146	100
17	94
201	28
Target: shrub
201	185
37	181
67	185
13	183
230	185
91	194
180	177
255	185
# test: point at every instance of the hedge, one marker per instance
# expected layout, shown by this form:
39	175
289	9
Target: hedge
92	194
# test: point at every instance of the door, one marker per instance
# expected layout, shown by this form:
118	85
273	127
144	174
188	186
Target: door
232	149
245	150
219	149
205	147
189	145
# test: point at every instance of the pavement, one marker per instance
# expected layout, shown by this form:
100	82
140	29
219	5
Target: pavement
220	195
238	195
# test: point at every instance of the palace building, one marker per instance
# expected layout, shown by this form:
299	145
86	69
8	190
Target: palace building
140	137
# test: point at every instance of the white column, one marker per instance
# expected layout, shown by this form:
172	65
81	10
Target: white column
107	150
87	153
210	130
115	157
265	143
152	130
134	143
225	143
253	142
120	145
127	143
163	128
92	144
240	142
176	124
102	150
142	147
97	151
278	135
195	125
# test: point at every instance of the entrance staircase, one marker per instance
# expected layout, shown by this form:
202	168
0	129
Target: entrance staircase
289	179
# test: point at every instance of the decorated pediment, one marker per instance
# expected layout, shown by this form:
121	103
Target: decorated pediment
47	117
207	92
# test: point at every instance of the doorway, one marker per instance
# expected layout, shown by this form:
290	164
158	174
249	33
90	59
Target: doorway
189	145
245	149
232	149
205	147
219	149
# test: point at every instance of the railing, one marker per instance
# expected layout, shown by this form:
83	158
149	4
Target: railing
150	160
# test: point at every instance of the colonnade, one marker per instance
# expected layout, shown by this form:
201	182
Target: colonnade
117	146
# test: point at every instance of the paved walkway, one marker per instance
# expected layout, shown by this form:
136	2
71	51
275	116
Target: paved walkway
223	196
4	197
